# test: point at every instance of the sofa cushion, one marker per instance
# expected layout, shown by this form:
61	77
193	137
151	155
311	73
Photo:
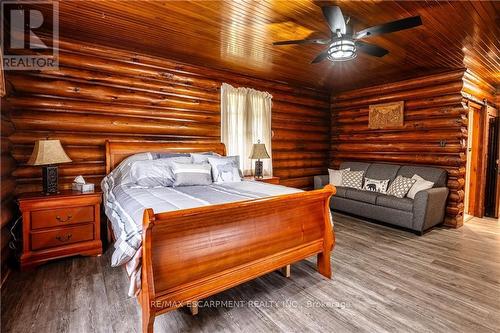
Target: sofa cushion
341	191
390	201
355	166
360	195
385	214
382	171
435	175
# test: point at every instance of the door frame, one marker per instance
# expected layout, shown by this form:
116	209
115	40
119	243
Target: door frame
493	113
478	130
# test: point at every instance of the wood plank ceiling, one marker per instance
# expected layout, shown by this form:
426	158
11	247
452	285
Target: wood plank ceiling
238	35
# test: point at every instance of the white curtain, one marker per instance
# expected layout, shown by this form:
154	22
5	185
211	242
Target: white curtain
245	119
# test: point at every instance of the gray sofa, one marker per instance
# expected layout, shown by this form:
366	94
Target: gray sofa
420	214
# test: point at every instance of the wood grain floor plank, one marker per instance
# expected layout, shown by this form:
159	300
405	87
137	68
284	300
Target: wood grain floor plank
384	280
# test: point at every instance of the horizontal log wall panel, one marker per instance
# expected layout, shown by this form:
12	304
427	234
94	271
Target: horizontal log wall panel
434	131
87	138
410	136
100	93
443	89
400	147
8	209
478	88
432	80
87	107
171	67
361	115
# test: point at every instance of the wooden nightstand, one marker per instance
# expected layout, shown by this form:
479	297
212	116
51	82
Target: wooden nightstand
59	225
265	179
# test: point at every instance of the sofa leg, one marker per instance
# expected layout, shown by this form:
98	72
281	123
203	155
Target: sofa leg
419	233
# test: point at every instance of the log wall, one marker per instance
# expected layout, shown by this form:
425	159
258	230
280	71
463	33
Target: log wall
8	184
434	131
101	93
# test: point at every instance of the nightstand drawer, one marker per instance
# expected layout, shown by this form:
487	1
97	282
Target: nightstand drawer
60	237
61	217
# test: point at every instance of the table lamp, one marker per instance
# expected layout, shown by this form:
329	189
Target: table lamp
259	152
47	153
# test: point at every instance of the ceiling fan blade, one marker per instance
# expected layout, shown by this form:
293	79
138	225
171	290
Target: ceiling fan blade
371	49
334	18
303	41
386	28
320	57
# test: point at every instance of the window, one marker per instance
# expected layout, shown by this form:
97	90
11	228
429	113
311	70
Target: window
245	119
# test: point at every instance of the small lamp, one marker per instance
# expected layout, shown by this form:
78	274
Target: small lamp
259	152
47	153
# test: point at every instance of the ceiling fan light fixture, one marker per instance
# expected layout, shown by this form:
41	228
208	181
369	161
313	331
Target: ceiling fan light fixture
341	50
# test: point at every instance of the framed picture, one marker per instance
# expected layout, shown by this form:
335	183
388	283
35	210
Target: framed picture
388	115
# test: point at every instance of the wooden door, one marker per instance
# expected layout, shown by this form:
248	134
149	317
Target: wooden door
491	201
474	161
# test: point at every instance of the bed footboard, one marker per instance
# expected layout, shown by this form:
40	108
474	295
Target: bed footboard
194	253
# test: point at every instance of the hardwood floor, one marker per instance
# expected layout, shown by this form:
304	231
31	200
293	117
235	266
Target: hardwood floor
384	280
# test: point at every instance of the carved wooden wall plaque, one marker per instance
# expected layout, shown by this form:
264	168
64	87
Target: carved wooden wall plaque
388	115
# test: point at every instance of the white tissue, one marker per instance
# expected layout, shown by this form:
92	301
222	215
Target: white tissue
79	180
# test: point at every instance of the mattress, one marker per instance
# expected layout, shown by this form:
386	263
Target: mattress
125	202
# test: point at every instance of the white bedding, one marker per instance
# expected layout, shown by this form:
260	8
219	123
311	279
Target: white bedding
125	202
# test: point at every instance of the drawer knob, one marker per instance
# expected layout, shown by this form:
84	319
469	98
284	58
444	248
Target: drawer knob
64	238
60	219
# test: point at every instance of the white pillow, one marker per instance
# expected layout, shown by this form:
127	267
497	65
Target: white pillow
153	173
192	174
420	185
203	157
225	168
336	176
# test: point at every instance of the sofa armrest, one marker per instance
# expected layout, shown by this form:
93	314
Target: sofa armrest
429	208
321	181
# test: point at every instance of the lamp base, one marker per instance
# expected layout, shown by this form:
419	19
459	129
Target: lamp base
259	167
49	179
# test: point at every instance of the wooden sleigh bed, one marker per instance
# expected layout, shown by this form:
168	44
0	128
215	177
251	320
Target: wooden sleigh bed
190	254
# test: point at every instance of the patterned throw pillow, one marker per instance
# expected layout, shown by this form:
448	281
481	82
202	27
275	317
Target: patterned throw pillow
225	168
335	176
188	174
400	186
375	185
353	179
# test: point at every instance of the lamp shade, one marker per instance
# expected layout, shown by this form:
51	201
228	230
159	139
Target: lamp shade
259	152
48	152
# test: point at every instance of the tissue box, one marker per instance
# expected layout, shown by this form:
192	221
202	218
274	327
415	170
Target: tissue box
83	187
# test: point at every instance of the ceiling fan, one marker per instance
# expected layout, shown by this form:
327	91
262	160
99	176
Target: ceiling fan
345	43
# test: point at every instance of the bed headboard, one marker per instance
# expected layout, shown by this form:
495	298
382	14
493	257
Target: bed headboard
117	151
